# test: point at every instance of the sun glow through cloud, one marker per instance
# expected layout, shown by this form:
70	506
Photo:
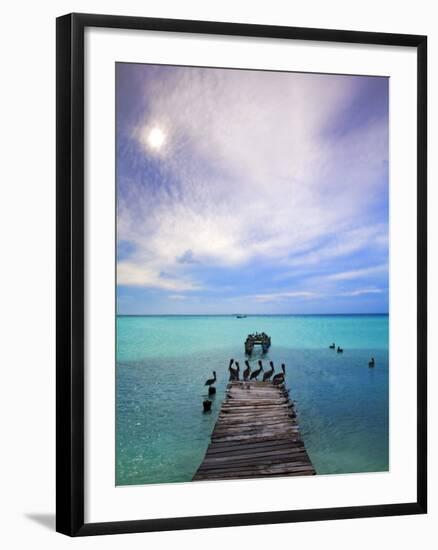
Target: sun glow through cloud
154	137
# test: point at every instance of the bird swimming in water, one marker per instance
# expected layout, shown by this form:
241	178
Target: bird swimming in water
279	378
247	371
333	346
372	363
257	372
267	374
340	350
211	381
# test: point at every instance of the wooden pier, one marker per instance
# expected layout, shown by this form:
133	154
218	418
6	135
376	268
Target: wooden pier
257	339
256	435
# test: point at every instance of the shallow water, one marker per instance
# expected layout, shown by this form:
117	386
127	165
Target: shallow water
163	362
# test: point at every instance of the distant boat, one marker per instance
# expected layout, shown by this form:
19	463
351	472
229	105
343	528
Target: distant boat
240	316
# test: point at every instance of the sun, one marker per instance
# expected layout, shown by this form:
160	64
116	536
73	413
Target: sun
156	138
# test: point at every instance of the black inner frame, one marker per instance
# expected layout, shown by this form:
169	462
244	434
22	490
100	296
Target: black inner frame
70	273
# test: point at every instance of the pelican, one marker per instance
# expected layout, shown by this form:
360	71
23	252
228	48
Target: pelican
247	371
257	372
279	378
340	350
267	374
234	373
371	363
211	381
333	346
237	370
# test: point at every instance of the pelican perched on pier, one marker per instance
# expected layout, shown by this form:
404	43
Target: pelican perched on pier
247	371
257	372
234	373
267	374
211	381
279	378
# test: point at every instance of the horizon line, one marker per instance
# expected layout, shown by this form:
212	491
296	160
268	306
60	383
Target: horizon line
246	314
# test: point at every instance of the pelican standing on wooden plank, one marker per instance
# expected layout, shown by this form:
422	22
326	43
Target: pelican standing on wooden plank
247	371
267	374
257	372
234	373
279	378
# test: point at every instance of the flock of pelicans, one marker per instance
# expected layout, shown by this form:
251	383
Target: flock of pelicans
250	374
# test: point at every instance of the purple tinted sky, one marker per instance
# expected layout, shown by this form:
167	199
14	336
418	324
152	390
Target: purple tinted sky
269	193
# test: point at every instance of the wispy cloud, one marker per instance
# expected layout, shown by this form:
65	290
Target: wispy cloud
278	296
178	297
282	296
340	244
136	274
358	273
361	292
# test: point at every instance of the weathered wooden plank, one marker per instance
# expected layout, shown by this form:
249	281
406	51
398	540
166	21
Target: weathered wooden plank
253	405
256	430
284	470
255	433
257	420
253	453
251	437
210	477
220	450
242	446
275	467
247	393
267	459
246	424
296	465
256	415
287	422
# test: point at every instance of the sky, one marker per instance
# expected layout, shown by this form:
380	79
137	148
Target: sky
244	191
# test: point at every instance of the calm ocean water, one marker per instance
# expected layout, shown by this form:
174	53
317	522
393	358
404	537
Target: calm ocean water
163	362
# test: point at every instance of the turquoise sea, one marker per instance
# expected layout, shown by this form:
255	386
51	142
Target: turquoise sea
163	362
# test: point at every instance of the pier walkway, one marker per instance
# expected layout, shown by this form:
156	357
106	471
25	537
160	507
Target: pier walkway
256	435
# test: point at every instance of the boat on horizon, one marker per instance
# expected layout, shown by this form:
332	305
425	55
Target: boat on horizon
240	316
